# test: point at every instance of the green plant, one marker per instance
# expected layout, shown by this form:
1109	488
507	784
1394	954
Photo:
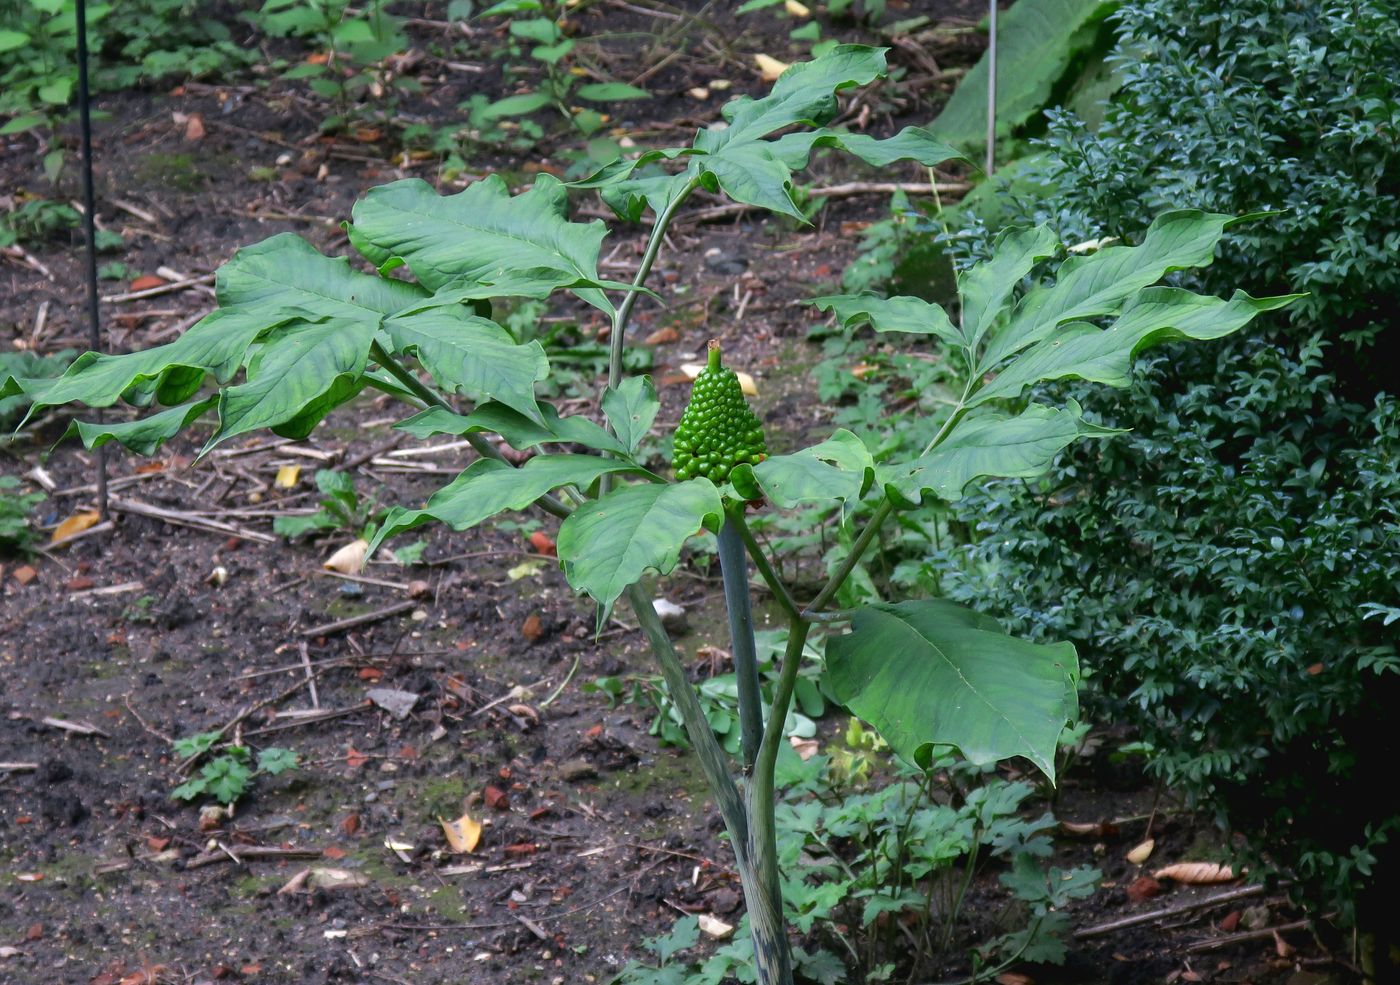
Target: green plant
1215	564
309	332
24	364
341	509
354	46
35	221
16	535
227	776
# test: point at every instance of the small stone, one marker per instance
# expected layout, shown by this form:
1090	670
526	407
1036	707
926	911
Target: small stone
574	770
419	588
397	703
672	616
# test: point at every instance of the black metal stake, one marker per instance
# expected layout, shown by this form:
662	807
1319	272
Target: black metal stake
90	231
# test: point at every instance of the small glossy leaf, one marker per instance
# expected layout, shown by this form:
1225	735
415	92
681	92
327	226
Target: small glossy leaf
609	92
898	314
608	544
519	431
630	410
933	673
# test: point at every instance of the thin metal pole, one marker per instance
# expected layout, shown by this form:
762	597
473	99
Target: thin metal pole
90	231
992	91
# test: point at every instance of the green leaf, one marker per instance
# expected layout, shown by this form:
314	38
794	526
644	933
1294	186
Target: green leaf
608	92
910	144
215	345
985	286
293	527
488	487
225	778
472	355
630	409
608	544
1155	315
285	272
898	314
274	760
519	431
838	468
483	236
1098	284
1038	43
10	40
145	435
994	445
302	372
518	105
933	673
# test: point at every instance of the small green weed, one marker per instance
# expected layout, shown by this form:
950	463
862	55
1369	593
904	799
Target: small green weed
16	535
227	776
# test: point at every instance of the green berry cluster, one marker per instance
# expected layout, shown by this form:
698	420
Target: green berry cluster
718	430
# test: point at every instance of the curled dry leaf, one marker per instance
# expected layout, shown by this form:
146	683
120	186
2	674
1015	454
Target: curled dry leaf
75	524
350	559
332	879
1196	873
1141	853
769	68
714	927
463	834
287	477
806	748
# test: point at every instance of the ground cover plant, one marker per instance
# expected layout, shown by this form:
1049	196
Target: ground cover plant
298	333
1220	569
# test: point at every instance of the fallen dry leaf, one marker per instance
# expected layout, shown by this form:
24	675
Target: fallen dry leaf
806	748
1143	888
1141	852
714	927
75	524
769	68
533	628
543	543
1196	873
287	477
350	559
24	574
331	879
146	282
496	798
1014	978
796	9
463	834
665	335
194	128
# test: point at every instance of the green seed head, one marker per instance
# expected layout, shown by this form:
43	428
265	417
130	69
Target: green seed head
717	430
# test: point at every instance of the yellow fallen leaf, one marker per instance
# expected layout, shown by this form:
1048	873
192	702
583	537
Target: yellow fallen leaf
1196	873
287	477
769	68
75	524
463	834
525	569
714	927
350	559
1140	853
796	9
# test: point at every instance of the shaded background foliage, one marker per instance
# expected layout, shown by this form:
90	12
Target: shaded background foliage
1215	563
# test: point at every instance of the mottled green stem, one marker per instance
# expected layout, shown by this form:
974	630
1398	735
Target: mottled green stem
734	568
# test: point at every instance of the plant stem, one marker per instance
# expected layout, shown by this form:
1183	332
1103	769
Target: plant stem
624	311
430	397
848	564
734	569
702	738
765	570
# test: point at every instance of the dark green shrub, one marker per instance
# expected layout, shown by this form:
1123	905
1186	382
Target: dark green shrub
1221	559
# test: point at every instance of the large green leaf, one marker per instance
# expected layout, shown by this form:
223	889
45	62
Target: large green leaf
933	673
990	445
985	286
286	272
519	431
1039	43
216	345
898	314
1155	315
610	543
145	434
1099	284
302	371
488	487
840	468
467	354
481	237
